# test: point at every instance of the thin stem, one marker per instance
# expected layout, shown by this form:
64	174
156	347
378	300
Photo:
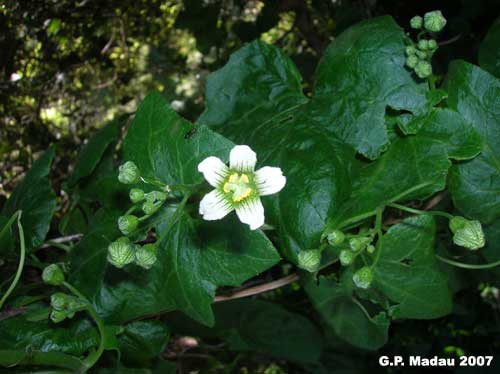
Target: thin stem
416	211
93	357
173	219
131	209
378	230
468	266
21	260
258	289
154	182
64	247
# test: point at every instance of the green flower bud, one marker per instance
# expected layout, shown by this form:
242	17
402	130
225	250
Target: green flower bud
423	45
416	22
149	208
412	61
434	21
156	196
467	234
432	44
309	260
423	69
346	257
129	173
145	256
59	301
75	305
358	244
136	195
57	316
127	224
422	55
336	237
53	275
363	277
410	50
120	253
370	249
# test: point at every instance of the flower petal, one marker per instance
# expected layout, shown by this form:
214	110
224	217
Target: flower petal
242	158
214	170
251	212
269	180
214	206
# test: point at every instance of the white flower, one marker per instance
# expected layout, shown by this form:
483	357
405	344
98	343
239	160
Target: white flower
238	187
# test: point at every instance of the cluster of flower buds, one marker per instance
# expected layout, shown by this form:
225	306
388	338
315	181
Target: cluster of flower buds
350	249
419	55
466	233
129	173
123	252
64	306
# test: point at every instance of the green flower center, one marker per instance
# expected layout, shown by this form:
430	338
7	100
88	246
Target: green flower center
238	186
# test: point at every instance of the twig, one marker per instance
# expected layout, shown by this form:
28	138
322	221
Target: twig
451	40
428	206
259	289
62	239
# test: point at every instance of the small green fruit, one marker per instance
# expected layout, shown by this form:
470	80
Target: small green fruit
423	45
57	316
410	50
412	61
58	301
359	244
423	69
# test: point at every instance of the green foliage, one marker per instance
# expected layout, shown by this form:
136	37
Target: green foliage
370	144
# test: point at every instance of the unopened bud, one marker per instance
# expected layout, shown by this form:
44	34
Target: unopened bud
129	173
363	277
336	237
53	275
127	224
434	21
156	196
57	316
346	257
423	45
145	256
149	208
412	61
120	253
467	234
136	195
416	22
309	260
58	301
423	69
410	50
432	44
359	244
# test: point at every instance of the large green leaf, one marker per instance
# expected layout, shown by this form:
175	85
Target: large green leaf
407	273
160	142
194	256
256	99
259	326
93	150
142	341
34	196
72	337
414	167
361	73
489	52
345	315
475	184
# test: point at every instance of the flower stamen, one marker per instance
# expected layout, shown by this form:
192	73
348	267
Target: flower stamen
239	185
